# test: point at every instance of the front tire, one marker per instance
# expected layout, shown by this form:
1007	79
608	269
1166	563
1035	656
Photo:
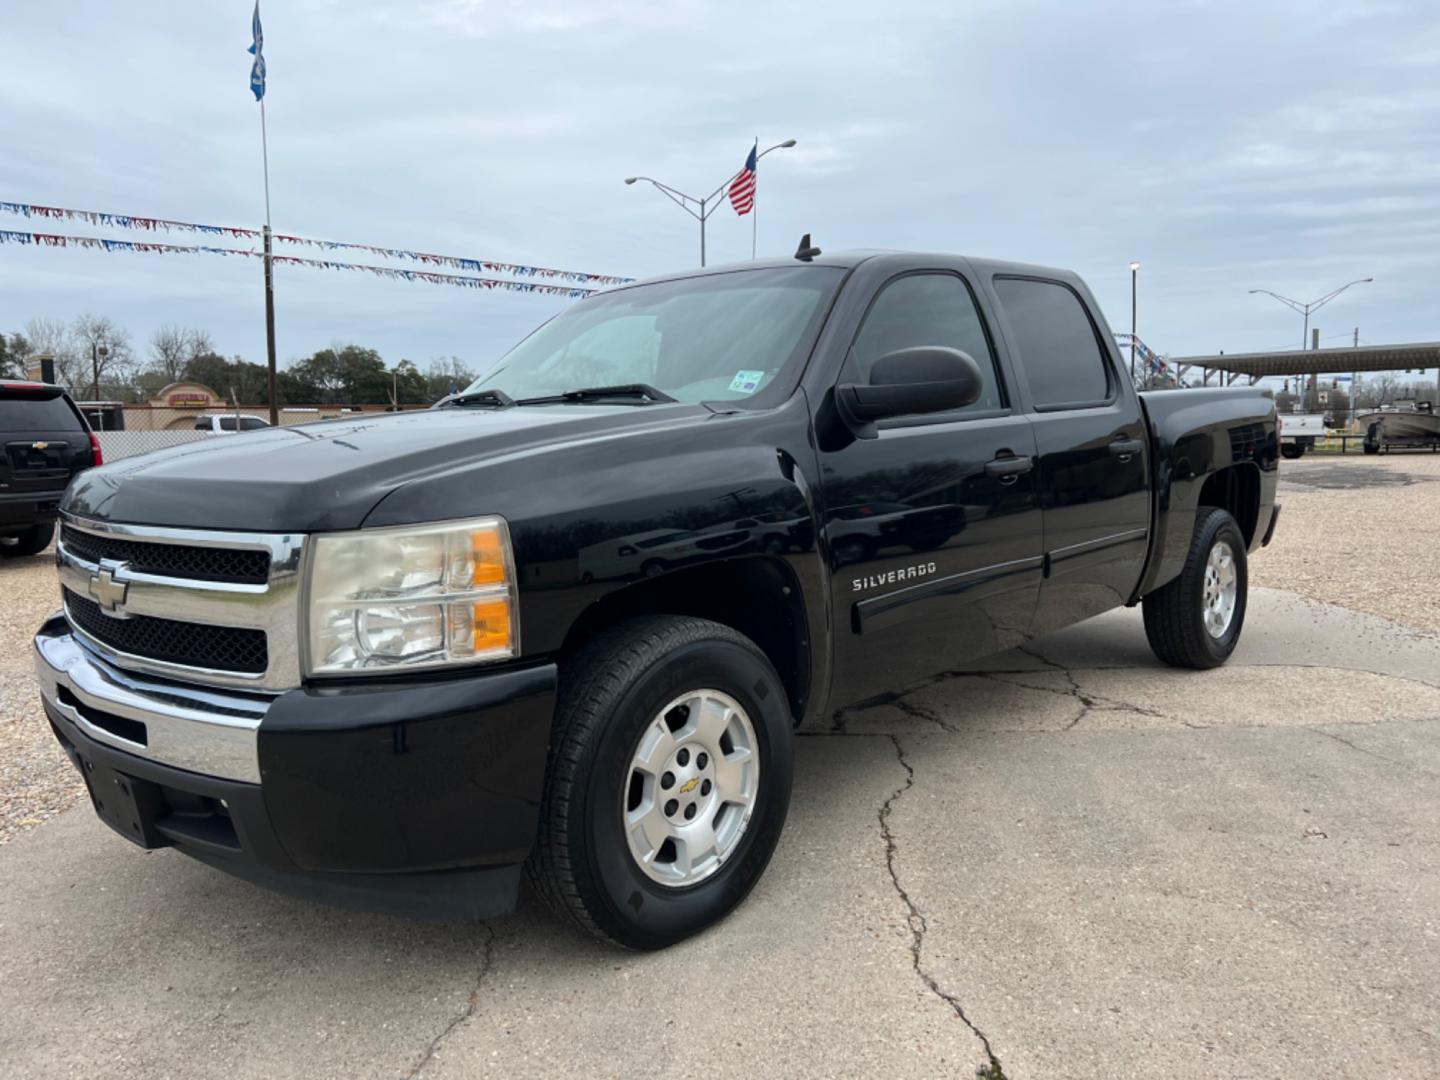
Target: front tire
656	819
30	542
1195	620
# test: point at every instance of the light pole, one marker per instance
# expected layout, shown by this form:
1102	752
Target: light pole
1313	305
98	352
1134	275
706	206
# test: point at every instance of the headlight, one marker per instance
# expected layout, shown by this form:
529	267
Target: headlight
409	597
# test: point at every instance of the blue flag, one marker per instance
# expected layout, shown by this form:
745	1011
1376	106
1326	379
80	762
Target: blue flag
257	69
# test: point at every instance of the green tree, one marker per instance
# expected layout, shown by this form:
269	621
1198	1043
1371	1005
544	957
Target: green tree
348	375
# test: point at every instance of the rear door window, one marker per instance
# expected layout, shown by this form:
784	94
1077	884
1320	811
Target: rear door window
1065	366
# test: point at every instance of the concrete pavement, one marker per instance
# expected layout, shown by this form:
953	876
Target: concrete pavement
1071	859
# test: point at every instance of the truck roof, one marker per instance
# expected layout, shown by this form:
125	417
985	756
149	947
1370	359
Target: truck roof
848	260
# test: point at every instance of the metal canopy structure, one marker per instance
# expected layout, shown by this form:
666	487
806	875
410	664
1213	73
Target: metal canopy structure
1319	361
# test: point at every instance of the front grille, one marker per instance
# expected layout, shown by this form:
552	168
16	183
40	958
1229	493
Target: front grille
223	648
235	565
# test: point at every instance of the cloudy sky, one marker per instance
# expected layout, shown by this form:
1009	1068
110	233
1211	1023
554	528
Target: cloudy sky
1227	146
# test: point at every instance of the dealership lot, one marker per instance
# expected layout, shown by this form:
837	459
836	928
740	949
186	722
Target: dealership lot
1068	858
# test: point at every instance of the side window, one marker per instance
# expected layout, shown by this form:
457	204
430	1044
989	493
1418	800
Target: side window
251	423
926	309
227	423
202	424
1064	364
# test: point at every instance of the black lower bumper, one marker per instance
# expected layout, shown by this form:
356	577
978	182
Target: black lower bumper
23	510
417	799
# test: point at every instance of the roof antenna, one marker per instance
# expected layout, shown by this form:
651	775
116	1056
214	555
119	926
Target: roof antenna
806	251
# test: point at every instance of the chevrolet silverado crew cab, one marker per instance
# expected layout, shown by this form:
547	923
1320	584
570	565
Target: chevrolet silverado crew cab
45	442
566	624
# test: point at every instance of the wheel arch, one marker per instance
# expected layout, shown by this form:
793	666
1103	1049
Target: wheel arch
1236	490
758	596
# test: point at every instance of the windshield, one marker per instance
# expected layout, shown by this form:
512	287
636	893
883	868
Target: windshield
720	337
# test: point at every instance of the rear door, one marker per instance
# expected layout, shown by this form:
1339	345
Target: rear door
1093	463
44	442
933	527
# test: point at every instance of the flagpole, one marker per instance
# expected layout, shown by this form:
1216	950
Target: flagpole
755	210
269	277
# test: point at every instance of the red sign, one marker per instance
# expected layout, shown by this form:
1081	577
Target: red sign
190	397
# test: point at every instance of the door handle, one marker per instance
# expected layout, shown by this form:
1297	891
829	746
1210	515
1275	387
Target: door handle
1008	469
1124	449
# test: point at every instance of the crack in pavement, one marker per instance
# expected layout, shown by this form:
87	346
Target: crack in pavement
486	959
916	920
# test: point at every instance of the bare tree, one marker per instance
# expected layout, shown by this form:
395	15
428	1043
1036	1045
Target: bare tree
53	337
172	348
102	353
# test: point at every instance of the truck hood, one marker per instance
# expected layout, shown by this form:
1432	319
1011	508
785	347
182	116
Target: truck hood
330	475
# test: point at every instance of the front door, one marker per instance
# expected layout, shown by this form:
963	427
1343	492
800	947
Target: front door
932	529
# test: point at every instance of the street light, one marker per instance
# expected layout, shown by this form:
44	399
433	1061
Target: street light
1134	272
1313	305
707	205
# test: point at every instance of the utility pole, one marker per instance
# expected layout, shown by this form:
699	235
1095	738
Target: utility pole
98	352
1134	275
1354	380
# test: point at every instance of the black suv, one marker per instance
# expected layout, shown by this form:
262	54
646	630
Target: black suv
46	442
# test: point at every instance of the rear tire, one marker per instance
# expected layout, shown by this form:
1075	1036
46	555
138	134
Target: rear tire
1188	622
1291	451
618	697
31	542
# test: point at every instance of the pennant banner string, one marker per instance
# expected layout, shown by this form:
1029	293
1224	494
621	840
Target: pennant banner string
458	262
430	277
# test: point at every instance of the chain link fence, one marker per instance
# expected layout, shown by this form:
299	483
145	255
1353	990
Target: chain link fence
115	445
127	430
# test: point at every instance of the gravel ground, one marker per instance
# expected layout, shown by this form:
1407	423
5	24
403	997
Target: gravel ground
1356	531
36	780
1361	532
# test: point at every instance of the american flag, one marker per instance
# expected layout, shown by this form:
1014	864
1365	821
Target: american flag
742	188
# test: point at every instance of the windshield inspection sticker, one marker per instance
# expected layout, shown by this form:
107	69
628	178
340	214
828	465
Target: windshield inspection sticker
746	382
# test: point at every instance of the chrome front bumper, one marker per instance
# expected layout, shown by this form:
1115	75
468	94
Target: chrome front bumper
208	731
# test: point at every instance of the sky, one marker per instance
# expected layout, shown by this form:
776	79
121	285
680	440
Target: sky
1226	146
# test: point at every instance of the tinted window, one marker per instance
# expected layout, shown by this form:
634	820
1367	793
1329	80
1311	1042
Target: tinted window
1058	348
227	423
251	423
926	309
203	424
19	412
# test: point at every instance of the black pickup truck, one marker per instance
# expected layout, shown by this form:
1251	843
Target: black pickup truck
566	624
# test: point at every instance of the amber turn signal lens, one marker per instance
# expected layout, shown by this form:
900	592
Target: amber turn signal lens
492	625
489	558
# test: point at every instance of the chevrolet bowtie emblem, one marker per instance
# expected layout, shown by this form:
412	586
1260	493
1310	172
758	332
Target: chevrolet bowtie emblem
108	592
39	446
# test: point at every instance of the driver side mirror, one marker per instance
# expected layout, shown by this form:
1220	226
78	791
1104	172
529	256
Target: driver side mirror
908	382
